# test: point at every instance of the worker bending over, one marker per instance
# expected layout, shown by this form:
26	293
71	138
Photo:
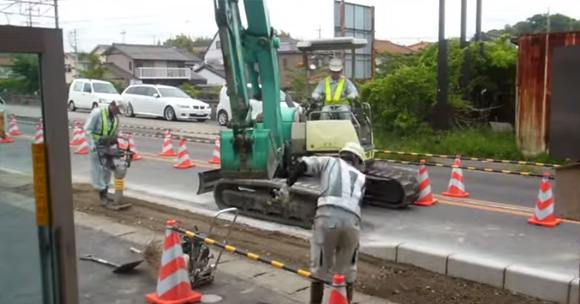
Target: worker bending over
336	229
102	123
337	91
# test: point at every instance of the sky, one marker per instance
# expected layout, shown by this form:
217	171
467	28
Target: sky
148	21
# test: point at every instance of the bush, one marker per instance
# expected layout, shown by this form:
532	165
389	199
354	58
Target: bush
189	89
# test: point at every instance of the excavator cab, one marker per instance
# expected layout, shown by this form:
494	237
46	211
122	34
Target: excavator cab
330	135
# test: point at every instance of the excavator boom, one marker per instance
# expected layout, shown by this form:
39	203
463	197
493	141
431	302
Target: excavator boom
248	150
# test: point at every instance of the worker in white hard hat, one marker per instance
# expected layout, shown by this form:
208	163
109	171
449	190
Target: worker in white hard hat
336	90
336	231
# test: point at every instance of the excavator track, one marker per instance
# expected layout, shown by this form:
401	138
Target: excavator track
388	186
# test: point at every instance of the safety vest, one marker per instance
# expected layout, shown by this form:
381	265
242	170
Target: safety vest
335	100
105	125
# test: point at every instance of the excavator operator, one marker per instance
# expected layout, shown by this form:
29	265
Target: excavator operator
336	230
337	91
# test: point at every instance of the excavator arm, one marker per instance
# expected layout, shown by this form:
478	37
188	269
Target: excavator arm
249	150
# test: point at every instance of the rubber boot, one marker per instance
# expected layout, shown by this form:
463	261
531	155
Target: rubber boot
316	293
104	197
349	292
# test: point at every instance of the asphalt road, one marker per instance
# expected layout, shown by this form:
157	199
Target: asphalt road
491	223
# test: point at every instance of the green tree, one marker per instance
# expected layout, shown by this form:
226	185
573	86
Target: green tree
189	89
26	74
403	95
95	68
539	23
187	42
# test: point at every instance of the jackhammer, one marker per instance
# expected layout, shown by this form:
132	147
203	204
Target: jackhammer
118	161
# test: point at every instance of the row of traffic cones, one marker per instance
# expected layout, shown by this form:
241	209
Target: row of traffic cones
543	213
183	160
174	285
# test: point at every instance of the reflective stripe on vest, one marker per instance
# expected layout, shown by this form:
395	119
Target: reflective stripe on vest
332	100
105	125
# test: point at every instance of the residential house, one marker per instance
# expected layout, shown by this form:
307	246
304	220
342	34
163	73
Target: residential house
215	74
5	66
152	64
70	68
382	46
99	50
419	45
288	57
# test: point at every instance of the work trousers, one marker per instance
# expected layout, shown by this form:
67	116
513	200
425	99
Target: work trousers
327	112
335	243
101	176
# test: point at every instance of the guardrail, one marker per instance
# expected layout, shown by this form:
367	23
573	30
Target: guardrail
490	170
489	160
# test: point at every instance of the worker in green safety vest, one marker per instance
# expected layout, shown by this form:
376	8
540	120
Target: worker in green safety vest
103	122
336	91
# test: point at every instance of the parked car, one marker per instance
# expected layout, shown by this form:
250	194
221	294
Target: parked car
224	110
164	101
91	93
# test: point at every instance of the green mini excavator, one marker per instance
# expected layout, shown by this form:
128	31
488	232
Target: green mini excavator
256	156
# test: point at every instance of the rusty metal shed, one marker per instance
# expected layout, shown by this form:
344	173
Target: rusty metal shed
534	83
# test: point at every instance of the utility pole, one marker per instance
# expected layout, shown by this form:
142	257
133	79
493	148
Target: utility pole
440	114
73	43
478	21
123	34
319	31
463	36
56	14
30	15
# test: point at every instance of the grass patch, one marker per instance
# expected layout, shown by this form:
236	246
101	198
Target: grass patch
482	143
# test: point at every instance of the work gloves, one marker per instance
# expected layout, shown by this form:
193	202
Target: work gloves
283	195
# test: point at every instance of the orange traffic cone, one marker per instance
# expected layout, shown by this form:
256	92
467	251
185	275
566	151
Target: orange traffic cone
136	156
121	140
13	127
83	147
78	135
183	161
173	285
425	195
338	293
544	212
456	186
5	140
167	149
39	136
215	157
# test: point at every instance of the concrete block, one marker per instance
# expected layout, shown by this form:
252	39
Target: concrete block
538	283
476	269
423	256
574	292
385	251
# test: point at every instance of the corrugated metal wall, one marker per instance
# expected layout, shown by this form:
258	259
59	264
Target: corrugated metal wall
533	91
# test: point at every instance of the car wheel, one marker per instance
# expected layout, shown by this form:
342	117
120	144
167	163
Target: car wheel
95	105
71	106
202	120
129	111
223	118
169	113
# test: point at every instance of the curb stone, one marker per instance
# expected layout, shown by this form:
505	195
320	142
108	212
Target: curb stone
424	257
476	269
538	283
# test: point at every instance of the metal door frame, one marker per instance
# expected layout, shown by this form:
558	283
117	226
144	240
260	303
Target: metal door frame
48	44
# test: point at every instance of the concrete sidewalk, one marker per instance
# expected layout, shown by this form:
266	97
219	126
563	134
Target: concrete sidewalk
238	280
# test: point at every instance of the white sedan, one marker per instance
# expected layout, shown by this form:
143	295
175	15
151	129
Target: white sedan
164	101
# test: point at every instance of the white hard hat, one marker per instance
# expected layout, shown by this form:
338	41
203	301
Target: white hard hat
354	148
335	65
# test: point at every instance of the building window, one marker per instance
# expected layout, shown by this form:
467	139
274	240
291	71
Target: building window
130	66
285	62
218	45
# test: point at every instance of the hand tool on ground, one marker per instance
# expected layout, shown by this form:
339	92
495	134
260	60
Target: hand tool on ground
118	268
